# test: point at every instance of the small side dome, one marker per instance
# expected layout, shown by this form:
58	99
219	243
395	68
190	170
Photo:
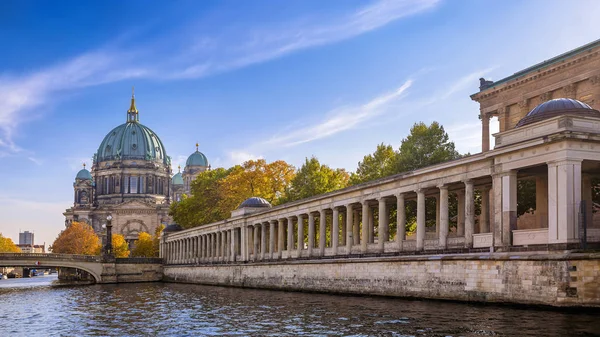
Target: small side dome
558	107
172	228
197	159
255	202
84	174
177	179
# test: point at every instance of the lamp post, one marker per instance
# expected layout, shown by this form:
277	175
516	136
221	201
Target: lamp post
108	250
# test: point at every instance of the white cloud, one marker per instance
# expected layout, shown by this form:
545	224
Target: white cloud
238	157
234	49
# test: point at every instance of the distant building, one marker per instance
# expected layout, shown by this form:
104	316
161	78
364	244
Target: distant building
29	248
26	238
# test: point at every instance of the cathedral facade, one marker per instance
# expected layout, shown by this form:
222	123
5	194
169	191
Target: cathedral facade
131	180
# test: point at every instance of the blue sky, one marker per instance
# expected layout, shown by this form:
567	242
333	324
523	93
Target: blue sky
249	79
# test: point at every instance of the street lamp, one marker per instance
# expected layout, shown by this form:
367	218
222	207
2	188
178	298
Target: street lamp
108	247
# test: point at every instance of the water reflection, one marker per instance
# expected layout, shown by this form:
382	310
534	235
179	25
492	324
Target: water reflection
193	310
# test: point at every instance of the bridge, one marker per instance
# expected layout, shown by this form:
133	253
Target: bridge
102	269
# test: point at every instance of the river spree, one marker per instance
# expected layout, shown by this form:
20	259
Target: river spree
37	306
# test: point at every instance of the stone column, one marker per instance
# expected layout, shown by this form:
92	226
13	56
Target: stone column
322	231
335	230
443	214
365	227
469	213
272	238
485	132
371	225
496	221
484	218
349	228
400	220
280	238
356	227
382	226
437	216
460	219
290	236
541	202
342	241
509	206
564	197
256	249
263	240
586	193
311	233
300	235
420	219
234	244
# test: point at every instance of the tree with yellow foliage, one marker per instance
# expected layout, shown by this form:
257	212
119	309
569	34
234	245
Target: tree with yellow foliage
156	240
143	246
78	238
120	246
7	245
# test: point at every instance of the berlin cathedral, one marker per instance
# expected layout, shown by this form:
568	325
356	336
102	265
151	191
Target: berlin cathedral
131	179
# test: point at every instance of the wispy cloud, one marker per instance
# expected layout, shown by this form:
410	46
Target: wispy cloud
191	57
464	82
337	120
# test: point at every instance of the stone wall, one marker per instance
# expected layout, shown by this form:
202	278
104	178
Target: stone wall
129	272
548	279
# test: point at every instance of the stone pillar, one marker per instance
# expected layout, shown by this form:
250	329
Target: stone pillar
496	221
586	193
420	219
469	213
564	197
224	245
300	234
383	224
280	239
437	216
272	238
311	233
335	230
484	217
400	220
509	206
485	132
349	228
263	240
443	215
256	250
541	202
460	219
371	225
322	231
290	236
234	245
365	227
356	227
343	235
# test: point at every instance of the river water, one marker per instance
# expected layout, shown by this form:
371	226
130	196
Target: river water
37	306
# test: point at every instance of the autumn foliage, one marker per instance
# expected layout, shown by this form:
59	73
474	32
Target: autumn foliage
78	238
120	246
143	246
8	246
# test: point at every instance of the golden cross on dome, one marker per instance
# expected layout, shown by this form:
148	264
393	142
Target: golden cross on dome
196	146
179	168
83	165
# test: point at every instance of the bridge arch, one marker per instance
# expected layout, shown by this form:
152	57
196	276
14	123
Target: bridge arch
89	264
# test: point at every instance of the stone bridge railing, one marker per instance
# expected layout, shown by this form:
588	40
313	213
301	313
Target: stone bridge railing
50	256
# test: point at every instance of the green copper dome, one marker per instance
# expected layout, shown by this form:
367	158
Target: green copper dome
84	174
197	159
177	179
132	141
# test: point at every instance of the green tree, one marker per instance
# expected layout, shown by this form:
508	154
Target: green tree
143	246
7	245
120	246
313	178
203	206
78	238
373	166
156	240
424	146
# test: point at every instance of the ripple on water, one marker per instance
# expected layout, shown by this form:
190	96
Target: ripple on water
192	310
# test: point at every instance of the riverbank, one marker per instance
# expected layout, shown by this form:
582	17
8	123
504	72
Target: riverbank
566	279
